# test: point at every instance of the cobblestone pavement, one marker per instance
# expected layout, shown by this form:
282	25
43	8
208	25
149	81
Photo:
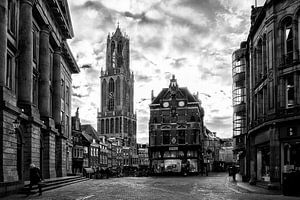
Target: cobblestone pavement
215	186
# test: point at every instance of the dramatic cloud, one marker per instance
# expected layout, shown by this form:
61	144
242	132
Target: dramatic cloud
193	39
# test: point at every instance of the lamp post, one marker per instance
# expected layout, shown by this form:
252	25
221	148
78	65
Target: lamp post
16	125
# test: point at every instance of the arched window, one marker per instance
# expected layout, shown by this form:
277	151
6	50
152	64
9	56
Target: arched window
254	67
121	124
102	126
264	55
125	126
112	125
118	90
107	126
117	126
111	89
113	54
288	42
104	93
259	60
120	47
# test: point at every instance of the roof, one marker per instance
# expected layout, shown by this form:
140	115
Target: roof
70	58
87	137
180	92
89	129
60	9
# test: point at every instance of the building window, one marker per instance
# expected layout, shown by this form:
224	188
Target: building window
288	41
259	60
102	126
12	18
117	125
62	89
35	88
67	126
121	125
62	121
181	137
271	94
107	126
290	96
103	91
192	119
166	137
67	97
111	125
9	69
111	89
35	42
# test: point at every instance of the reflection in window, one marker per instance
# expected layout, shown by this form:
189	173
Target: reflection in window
290	91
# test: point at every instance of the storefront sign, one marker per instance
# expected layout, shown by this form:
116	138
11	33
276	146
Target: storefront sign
173	148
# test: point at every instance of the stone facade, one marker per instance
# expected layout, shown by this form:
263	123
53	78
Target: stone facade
176	131
35	89
117	118
272	92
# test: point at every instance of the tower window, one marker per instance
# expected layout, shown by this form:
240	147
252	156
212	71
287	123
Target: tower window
111	87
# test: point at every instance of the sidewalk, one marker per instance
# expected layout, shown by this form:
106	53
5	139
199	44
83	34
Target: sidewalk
251	188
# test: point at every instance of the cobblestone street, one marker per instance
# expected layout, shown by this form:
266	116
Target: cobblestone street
215	186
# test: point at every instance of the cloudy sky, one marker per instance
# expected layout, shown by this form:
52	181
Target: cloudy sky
192	39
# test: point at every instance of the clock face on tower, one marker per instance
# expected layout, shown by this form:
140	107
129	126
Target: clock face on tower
181	103
166	104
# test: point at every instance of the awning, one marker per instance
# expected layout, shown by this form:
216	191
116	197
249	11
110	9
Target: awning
89	170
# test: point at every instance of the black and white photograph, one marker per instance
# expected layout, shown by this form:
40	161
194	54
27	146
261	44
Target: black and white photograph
149	99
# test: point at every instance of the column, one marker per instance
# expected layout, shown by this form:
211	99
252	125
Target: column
3	40
26	52
56	86
44	65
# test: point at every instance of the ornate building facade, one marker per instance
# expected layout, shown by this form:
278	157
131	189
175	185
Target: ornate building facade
176	131
35	90
117	118
273	92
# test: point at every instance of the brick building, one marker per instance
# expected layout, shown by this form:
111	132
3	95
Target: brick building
273	92
175	130
36	65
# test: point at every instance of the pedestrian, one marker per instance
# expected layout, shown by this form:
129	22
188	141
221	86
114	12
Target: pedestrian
233	172
35	178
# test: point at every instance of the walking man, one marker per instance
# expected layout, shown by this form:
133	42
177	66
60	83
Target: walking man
35	178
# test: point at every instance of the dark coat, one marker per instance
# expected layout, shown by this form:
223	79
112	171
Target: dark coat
35	175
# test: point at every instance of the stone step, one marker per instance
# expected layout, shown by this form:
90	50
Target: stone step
55	183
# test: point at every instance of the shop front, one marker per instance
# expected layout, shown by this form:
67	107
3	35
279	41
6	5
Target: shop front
174	160
290	157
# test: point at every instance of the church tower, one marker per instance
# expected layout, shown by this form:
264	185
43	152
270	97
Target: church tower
116	118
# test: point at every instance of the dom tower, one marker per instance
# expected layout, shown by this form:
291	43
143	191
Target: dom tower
117	118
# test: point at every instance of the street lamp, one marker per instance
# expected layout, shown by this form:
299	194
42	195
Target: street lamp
16	125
